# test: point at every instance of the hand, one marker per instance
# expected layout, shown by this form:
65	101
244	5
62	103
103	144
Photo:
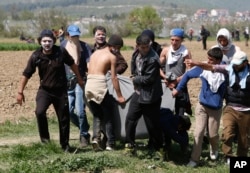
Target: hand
189	63
20	98
81	82
174	92
121	100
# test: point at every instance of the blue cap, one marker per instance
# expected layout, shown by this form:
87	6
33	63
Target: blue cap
178	32
73	30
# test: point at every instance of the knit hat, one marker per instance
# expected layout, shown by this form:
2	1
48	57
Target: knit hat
149	33
115	40
239	57
73	30
178	32
46	33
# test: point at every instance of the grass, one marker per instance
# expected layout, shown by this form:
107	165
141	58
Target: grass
35	157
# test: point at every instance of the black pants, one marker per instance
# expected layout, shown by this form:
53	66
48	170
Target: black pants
204	43
151	114
103	119
59	99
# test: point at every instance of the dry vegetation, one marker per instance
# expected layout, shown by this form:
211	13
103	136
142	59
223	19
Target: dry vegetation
13	63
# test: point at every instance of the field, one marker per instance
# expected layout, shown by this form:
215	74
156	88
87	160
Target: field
12	65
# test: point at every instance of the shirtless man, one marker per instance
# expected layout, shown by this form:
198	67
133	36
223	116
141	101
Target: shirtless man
96	91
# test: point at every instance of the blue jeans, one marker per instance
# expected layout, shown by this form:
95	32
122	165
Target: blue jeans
77	110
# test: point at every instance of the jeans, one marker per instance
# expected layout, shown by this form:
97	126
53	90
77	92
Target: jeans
77	110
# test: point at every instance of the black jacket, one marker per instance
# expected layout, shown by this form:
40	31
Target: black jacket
149	81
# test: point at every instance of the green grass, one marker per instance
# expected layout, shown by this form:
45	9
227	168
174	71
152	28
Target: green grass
36	157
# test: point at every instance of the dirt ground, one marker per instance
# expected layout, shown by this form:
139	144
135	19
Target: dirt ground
13	63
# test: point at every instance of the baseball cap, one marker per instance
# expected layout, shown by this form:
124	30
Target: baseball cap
239	57
115	40
178	32
73	30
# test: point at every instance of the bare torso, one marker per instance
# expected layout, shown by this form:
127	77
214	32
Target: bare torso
100	62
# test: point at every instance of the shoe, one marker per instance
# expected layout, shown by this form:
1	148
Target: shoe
130	149
213	155
110	147
96	146
66	149
227	160
84	141
191	164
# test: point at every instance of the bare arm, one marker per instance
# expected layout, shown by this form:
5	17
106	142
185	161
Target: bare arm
115	80
20	96
163	57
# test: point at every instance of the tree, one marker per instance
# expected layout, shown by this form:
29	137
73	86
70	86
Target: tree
51	19
144	18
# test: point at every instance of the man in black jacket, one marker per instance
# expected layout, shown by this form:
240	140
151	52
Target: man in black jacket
146	99
50	59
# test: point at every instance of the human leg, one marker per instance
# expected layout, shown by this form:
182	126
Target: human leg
60	103
133	115
81	115
243	124
151	114
109	125
228	132
73	117
43	101
200	125
214	117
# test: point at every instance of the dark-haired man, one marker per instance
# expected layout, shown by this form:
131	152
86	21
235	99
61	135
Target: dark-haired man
50	60
96	91
146	99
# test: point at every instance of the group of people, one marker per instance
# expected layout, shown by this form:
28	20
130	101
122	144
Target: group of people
74	75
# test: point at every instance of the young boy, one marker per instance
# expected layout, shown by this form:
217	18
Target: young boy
209	108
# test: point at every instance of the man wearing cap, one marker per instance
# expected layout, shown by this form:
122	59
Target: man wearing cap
50	60
236	114
81	52
96	91
173	58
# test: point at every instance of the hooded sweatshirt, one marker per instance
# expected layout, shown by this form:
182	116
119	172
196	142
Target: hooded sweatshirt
228	50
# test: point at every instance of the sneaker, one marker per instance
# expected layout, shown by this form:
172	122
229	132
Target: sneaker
228	161
110	148
96	146
191	164
213	155
130	149
84	141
